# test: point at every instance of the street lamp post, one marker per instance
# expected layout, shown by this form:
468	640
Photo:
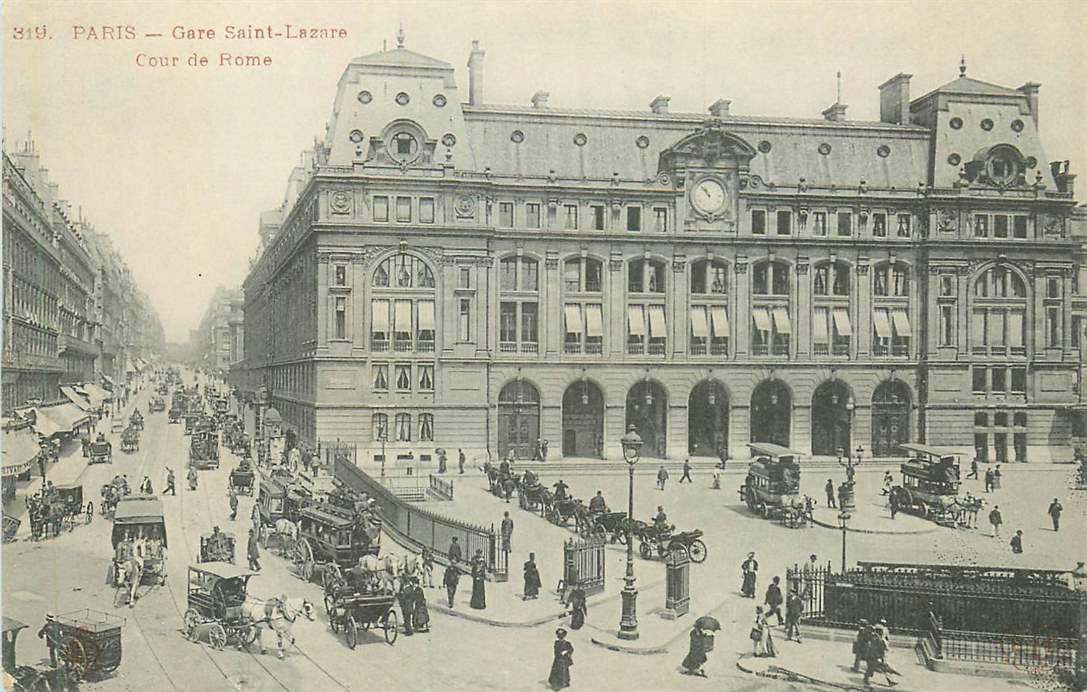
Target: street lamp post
843	523
628	622
849	463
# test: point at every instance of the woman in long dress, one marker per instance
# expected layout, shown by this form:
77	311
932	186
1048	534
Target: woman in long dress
479	574
564	658
696	654
532	578
578	609
422	613
764	644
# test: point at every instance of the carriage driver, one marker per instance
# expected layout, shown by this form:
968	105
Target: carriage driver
660	522
560	490
597	504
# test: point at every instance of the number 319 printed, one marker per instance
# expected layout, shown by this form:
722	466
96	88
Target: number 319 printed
19	33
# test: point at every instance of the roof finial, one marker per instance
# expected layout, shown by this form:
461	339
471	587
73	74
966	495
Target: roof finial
400	36
962	66
838	99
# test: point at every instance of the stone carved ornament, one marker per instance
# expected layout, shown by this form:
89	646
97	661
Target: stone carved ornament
341	202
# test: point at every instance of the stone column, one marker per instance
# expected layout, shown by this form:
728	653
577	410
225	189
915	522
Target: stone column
741	317
322	301
863	326
679	309
802	314
617	311
553	330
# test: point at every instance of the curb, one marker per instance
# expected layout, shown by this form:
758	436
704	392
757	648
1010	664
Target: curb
918	532
796	678
658	648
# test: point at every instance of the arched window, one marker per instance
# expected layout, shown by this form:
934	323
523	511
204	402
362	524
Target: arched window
582	275
891	280
772	331
709	308
426	427
891	309
709	277
403	427
518	312
647	323
998	313
832	328
402	306
583	308
645	276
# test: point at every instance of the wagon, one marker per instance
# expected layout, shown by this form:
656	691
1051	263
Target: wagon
204	450
141	517
69	502
353	611
90	643
241	479
332	538
130	440
156	404
772	486
652	540
561	511
101	453
136	419
604	525
216	595
930	484
217	547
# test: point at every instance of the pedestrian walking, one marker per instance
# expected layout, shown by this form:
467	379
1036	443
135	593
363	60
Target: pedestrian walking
1055	509
532	578
145	486
794	608
421	614
560	665
41	466
996	519
892	502
860	644
406	598
170	489
428	568
988	479
696	652
1017	542
875	660
479	576
997	476
716	479
762	639
52	635
829	489
686	472
578	608
450	580
973	469
507	533
662	478
774	599
233	504
460	461
454	553
750	570
252	551
192	478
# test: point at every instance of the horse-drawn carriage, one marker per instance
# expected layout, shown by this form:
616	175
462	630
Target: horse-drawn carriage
241	478
607	524
139	544
216	605
217	546
331	538
156	405
352	605
204	450
930	484
130	440
559	511
101	452
136	419
90	643
68	502
772	486
191	419
663	540
112	493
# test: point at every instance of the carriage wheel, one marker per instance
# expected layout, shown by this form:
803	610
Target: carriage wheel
645	550
75	658
109	657
192	621
39	683
351	631
217	636
392	629
697	551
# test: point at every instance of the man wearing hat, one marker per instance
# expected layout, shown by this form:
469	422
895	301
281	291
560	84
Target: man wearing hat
860	644
50	632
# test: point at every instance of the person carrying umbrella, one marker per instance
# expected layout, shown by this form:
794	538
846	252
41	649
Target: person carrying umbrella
701	644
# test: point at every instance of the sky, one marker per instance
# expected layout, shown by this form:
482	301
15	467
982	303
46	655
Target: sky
177	163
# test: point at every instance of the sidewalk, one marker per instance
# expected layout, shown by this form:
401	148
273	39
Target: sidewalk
873	517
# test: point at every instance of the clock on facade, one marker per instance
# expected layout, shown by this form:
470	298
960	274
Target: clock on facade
708	196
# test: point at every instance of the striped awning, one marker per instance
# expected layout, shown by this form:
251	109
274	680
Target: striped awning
20	449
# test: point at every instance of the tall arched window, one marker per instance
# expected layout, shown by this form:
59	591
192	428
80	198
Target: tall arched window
583	306
518	311
402	306
832	329
647	323
891	309
998	313
709	307
403	427
770	308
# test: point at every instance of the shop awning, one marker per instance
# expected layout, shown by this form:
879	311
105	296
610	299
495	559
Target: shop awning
19	451
594	320
841	322
700	328
63	418
881	323
657	327
108	380
96	394
573	318
636	318
78	399
719	318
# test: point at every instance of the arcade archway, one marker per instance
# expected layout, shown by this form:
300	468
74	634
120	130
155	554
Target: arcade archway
647	411
707	420
890	418
830	419
583	421
518	419
771	413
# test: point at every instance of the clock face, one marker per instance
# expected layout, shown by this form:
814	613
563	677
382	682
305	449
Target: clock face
708	196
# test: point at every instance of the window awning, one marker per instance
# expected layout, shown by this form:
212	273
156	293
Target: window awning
380	319
719	316
881	323
636	319
594	320
657	323
762	319
820	329
781	321
902	322
841	322
573	318
403	315
19	451
700	328
426	315
77	398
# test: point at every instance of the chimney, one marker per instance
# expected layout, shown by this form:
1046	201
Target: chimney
1031	90
659	105
475	75
539	99
720	107
835	113
894	100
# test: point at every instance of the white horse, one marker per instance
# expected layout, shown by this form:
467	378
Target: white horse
127	574
383	571
286	533
278	615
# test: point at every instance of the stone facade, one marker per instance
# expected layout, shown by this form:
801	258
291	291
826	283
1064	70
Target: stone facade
464	275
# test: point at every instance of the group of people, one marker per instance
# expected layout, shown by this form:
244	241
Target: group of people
413	606
871	647
477	569
44	512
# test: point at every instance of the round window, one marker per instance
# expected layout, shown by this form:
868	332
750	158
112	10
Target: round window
1017	125
954	159
1031	162
365	97
580	139
356	136
440	100
986	124
402	98
403	147
1001	168
448	139
956	123
642	142
765	146
824	149
883	151
517	136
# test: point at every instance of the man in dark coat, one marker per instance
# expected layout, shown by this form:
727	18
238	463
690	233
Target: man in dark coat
1017	542
794	608
988	480
406	597
532	578
233	504
1055	510
450	580
774	600
253	551
686	471
460	460
560	490
454	553
860	644
829	489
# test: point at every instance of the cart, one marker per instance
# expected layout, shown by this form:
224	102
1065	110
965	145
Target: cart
330	539
101	453
69	502
217	547
130	440
136	419
216	594
241	479
354	611
90	643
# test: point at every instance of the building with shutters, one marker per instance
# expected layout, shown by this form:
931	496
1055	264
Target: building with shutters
461	274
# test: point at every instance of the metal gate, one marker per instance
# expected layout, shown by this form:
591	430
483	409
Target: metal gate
583	566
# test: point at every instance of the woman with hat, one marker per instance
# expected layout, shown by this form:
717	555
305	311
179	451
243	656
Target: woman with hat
761	638
564	658
696	655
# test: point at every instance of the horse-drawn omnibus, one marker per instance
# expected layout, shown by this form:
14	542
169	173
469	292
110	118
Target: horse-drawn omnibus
204	450
331	538
139	542
772	486
930	483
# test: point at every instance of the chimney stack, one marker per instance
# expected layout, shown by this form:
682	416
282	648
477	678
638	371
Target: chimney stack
475	75
539	99
720	107
659	105
835	113
894	100
1031	90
